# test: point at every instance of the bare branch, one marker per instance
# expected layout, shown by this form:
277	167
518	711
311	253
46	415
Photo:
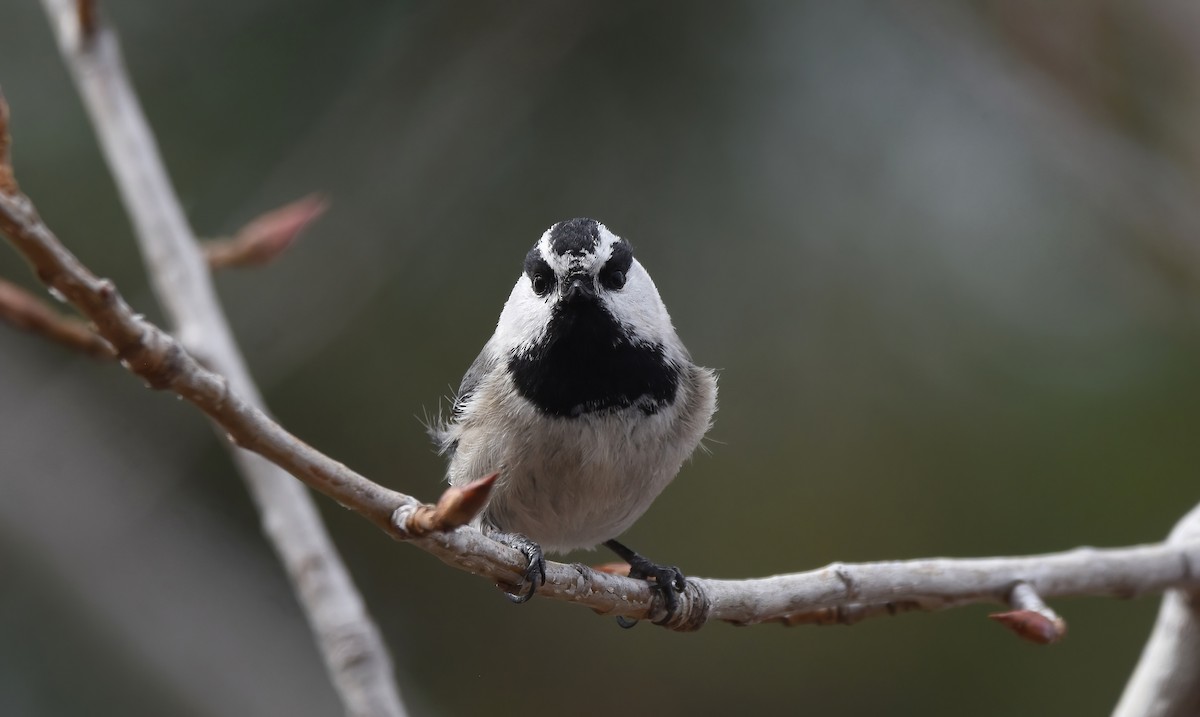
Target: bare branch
350	643
940	583
849	592
844	593
163	363
849	614
260	242
1166	681
1114	171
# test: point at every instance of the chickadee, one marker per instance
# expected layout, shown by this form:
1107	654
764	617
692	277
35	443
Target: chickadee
584	400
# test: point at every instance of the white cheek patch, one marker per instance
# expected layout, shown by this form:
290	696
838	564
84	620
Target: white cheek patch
524	318
640	309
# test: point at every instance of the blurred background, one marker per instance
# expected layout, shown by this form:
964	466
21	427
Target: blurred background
944	254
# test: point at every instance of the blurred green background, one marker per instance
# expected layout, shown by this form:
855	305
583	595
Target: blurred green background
944	254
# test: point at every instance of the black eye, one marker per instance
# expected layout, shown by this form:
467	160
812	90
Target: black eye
541	283
614	280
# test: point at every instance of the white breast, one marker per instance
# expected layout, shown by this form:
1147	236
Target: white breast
575	482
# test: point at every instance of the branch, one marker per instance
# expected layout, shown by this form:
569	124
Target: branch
260	242
25	311
1114	171
1166	681
847	592
349	641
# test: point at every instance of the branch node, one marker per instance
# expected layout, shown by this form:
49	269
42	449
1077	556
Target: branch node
223	399
843	574
159	368
691	611
106	290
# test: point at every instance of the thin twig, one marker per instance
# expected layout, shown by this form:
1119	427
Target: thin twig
263	240
266	237
260	242
27	312
349	640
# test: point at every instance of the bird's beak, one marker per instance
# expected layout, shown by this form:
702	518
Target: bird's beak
579	286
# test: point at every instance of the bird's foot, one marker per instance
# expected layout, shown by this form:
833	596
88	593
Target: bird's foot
535	571
667	580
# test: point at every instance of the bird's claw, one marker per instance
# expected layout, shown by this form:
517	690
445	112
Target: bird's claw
534	575
667	580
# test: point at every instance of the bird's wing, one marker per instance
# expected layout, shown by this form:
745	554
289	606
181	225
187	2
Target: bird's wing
445	432
483	364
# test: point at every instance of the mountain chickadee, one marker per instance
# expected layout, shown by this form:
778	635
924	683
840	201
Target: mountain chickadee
584	400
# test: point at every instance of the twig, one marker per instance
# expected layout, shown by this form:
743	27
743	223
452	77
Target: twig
29	313
861	590
1166	681
266	237
261	241
349	641
163	363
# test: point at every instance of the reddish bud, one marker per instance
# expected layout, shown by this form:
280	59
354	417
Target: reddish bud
268	236
460	504
1032	625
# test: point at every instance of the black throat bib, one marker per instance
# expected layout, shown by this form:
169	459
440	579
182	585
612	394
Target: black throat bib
586	364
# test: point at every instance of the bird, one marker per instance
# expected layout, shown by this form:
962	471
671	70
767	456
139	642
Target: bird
584	400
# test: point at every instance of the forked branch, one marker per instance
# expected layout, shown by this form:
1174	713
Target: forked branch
836	593
355	656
